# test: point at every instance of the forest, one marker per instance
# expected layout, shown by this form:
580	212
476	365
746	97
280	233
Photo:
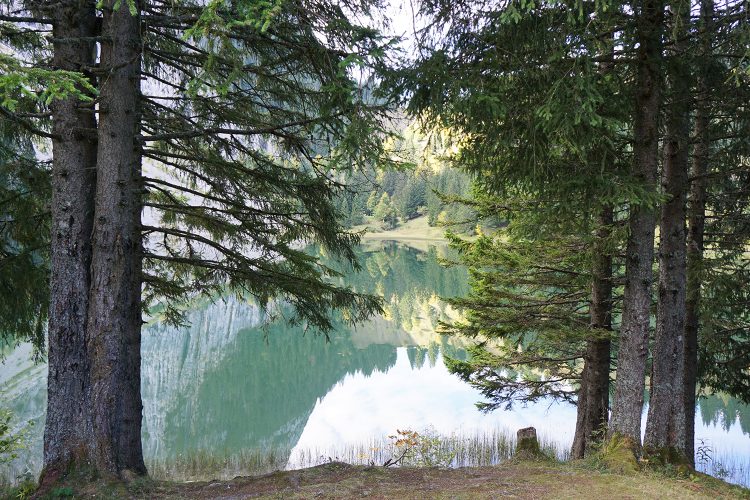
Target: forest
586	163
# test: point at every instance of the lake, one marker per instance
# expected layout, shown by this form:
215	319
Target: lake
234	393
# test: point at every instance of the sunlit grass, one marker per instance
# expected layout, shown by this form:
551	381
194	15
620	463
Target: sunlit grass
462	449
206	465
466	449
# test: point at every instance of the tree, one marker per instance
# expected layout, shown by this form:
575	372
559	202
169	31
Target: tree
114	314
68	426
384	211
244	115
696	226
509	107
24	225
522	88
411	197
665	428
529	311
634	333
717	321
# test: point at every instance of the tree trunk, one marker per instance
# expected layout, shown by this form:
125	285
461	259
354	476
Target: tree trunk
593	396
115	298
67	427
696	224
634	334
665	427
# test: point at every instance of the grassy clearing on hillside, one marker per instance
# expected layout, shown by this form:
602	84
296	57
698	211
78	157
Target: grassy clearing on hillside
413	230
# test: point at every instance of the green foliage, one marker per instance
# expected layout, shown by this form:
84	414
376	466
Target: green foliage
24	237
18	82
11	440
253	111
23	491
540	119
418	182
62	492
384	211
528	306
254	150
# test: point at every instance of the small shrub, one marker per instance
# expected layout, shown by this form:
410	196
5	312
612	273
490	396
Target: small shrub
413	449
10	442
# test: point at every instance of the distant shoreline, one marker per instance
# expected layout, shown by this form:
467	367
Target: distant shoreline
415	230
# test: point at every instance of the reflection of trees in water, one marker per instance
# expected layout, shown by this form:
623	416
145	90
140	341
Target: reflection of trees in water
264	390
411	283
405	272
269	380
420	355
725	411
220	386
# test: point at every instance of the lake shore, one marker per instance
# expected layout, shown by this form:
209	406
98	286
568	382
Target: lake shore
416	233
517	479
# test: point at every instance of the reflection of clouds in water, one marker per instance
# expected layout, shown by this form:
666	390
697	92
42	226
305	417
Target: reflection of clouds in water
360	408
732	441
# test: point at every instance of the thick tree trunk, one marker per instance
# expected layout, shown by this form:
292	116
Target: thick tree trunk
115	306
634	334
67	427
696	224
593	396
665	427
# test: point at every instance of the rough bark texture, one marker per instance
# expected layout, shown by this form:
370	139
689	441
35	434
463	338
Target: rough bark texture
634	333
593	396
527	444
696	224
665	427
115	308
73	181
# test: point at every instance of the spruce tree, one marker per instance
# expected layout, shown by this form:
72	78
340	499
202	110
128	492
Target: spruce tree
24	228
240	116
522	88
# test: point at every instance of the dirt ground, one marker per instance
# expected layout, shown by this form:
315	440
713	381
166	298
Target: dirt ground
516	480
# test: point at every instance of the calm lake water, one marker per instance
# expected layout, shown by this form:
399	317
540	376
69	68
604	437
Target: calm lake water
233	385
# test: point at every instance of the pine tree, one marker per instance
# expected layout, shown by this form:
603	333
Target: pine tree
666	427
24	228
529	136
384	211
243	115
534	129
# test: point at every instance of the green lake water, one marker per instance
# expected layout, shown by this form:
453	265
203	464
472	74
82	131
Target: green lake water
232	387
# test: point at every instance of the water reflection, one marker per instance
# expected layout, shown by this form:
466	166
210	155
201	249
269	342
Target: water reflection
233	382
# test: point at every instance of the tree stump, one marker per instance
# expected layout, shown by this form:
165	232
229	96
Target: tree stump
527	444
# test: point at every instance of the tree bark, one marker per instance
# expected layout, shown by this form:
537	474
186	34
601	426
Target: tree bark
665	427
67	427
696	225
115	297
593	396
634	334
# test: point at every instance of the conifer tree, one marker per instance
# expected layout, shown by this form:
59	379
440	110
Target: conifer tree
240	114
534	128
666	428
24	256
529	147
